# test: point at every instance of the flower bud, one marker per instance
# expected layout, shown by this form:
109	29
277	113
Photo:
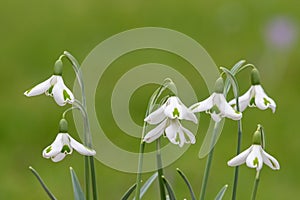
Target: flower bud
255	78
63	126
257	137
58	67
219	85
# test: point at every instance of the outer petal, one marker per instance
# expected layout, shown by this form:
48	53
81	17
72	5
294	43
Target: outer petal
226	109
203	105
81	148
58	157
244	100
40	88
254	159
54	148
156	132
262	101
187	114
270	160
239	159
190	135
61	93
172	130
157	116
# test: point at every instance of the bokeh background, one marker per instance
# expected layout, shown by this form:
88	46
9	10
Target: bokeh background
34	33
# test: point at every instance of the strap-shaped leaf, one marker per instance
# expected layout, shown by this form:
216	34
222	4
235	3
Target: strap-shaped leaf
78	193
235	69
183	176
169	189
221	193
129	192
36	174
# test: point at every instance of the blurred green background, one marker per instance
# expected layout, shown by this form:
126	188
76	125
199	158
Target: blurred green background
34	33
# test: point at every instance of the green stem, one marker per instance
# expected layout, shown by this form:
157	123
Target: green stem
208	163
87	177
139	173
89	162
160	171
236	171
256	182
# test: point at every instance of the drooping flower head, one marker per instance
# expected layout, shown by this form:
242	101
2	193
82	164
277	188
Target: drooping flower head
168	118
216	104
54	87
255	156
255	96
64	145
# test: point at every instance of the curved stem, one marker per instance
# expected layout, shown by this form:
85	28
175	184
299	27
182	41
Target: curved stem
89	160
256	182
66	111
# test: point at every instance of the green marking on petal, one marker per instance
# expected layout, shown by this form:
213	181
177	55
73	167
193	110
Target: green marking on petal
65	149
273	164
49	149
214	109
255	161
252	102
27	91
266	101
49	91
66	95
176	112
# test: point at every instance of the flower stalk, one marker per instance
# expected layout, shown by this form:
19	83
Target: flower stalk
256	182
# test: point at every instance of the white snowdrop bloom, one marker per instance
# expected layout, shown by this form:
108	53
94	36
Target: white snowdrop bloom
168	118
64	145
53	86
216	105
254	157
255	96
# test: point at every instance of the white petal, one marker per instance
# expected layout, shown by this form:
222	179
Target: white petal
203	105
254	159
244	100
190	135
239	159
172	130
156	132
187	114
157	116
81	148
58	157
40	88
262	100
182	139
270	160
61	93
54	148
226	109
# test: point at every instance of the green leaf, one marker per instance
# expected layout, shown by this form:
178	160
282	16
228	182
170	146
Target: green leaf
129	192
147	184
187	183
221	193
235	69
78	193
233	81
36	174
169	189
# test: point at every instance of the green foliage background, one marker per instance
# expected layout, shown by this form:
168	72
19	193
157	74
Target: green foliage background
34	33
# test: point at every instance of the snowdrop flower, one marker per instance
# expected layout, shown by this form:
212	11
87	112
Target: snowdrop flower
168	118
255	96
255	156
216	105
54	86
64	145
